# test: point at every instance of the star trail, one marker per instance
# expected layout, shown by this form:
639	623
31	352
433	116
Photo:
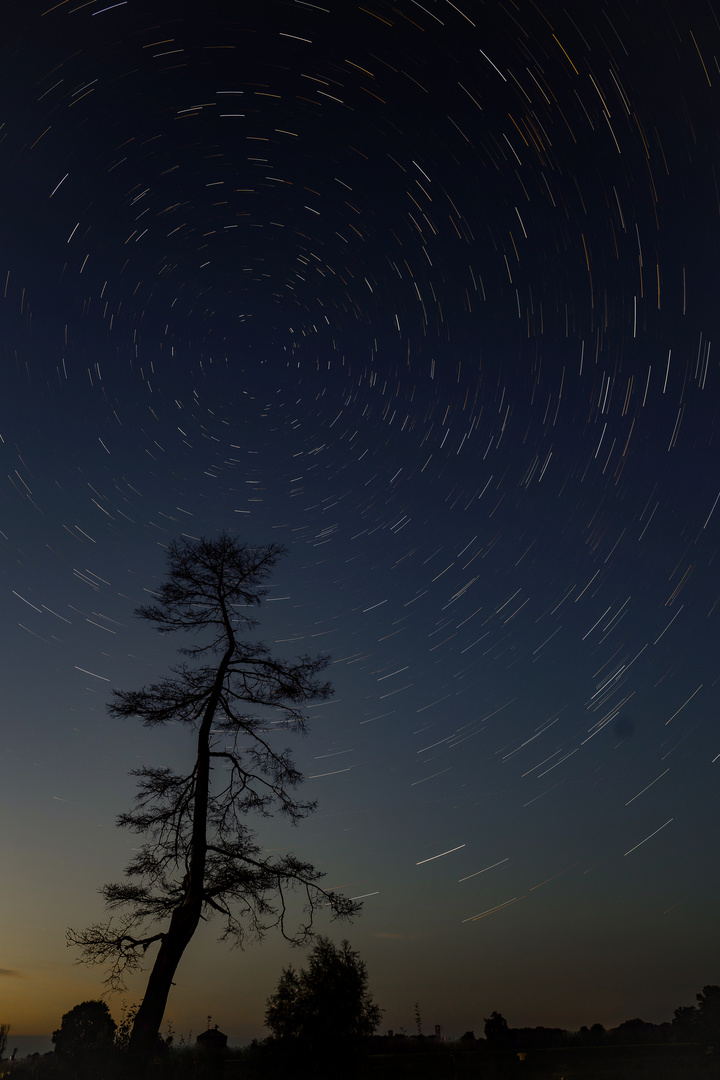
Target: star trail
428	293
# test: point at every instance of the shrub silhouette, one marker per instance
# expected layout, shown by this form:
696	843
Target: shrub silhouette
86	1035
328	1001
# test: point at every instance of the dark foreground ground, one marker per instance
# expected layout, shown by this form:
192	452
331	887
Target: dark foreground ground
567	1063
444	1062
453	1062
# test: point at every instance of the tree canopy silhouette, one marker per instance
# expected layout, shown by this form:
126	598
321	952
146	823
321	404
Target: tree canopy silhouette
700	1022
329	1001
85	1035
200	856
496	1029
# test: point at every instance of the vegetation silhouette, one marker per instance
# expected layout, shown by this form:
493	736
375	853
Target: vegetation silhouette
85	1039
321	1016
701	1022
329	998
496	1030
634	1050
200	857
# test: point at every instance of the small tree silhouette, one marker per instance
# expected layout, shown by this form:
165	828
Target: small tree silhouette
86	1035
701	1022
707	1017
327	1002
496	1030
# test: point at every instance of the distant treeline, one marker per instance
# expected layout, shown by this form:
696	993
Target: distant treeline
630	1031
538	1038
690	1024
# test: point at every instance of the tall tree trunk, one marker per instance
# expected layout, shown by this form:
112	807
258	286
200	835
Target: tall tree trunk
149	1016
186	916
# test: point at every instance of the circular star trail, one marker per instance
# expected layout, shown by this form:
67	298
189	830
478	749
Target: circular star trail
426	292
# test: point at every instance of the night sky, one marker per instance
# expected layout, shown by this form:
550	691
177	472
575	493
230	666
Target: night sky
427	293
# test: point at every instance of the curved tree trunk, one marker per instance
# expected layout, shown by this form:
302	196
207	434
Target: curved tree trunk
186	916
149	1016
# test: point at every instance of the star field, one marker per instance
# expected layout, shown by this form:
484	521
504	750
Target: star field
426	292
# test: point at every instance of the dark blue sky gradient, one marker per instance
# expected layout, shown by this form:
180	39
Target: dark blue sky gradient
427	293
